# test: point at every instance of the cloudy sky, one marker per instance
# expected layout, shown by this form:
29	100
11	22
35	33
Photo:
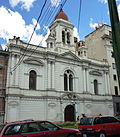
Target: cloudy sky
19	17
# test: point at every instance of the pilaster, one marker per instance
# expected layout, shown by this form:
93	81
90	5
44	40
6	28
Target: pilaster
53	74
87	79
106	86
108	83
84	80
48	76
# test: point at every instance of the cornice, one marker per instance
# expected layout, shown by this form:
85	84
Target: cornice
95	72
66	96
33	61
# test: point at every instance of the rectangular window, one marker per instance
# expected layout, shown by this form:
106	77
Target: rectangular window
63	36
68	37
65	83
116	90
114	77
113	66
78	53
117	107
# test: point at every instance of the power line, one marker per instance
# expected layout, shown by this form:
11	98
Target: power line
79	14
23	55
32	33
21	59
50	16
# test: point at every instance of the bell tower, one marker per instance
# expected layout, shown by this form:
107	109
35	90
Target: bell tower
62	31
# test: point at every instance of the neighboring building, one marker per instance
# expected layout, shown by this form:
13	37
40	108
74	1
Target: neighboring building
1	48
57	82
99	44
3	75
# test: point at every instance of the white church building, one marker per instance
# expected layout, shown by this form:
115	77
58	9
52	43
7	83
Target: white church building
57	82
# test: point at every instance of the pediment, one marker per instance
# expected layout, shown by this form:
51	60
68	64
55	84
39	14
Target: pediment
33	61
69	55
97	73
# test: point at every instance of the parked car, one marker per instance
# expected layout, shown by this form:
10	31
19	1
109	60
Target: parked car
99	126
31	128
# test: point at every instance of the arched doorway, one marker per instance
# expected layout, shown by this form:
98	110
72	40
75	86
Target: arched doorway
69	113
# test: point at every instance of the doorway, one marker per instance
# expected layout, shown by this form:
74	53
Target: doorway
69	113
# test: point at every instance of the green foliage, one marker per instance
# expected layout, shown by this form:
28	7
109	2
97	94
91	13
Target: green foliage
118	117
67	125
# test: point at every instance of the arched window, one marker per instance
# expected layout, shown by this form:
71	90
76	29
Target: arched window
68	80
32	80
65	82
68	37
95	86
51	45
84	53
63	36
71	82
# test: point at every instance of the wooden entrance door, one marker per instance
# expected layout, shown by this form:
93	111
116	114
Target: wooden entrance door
69	113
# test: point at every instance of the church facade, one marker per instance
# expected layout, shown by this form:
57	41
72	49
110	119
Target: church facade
57	82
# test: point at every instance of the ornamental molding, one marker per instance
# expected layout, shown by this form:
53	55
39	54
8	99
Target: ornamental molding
110	106
32	98
95	72
70	55
88	106
33	61
70	96
52	105
13	103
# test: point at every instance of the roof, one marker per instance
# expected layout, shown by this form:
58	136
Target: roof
61	15
104	25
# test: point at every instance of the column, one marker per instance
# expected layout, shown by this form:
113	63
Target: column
84	80
108	83
106	87
53	74
87	79
59	34
17	72
71	38
48	76
13	71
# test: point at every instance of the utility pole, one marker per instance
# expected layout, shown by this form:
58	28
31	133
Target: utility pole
115	25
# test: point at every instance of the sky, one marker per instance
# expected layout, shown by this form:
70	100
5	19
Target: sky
19	17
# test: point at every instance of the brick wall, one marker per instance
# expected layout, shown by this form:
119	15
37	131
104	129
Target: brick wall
3	77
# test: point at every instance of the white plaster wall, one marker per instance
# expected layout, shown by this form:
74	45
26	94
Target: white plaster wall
31	104
24	77
53	110
60	68
104	108
101	86
32	109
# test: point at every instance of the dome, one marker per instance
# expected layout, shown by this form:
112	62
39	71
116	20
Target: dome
61	15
